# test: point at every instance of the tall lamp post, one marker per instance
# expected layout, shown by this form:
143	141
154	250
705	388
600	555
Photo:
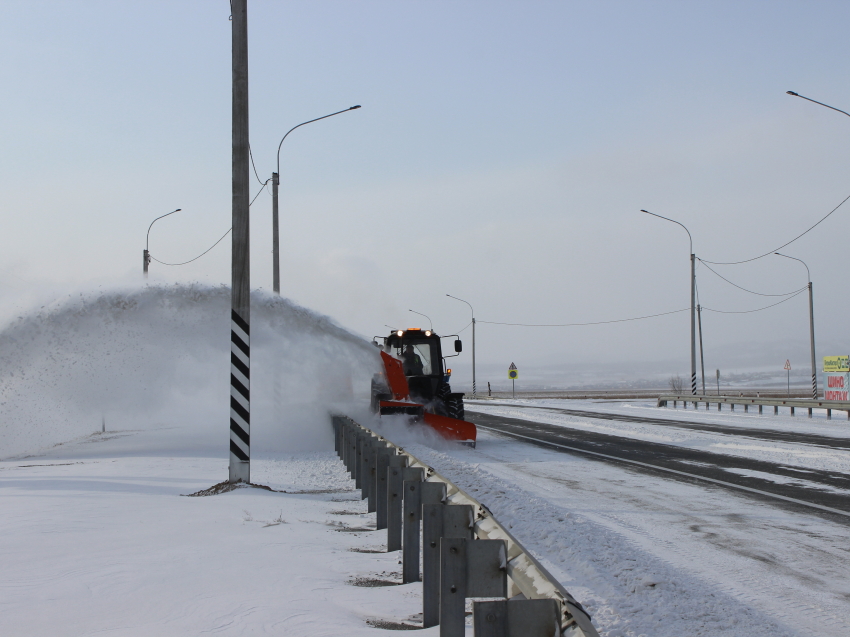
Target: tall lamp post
811	326
275	184
146	256
473	339
693	303
426	316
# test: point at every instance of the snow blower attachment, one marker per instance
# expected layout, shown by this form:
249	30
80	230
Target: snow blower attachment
415	383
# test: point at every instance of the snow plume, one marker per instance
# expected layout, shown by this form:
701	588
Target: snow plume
159	357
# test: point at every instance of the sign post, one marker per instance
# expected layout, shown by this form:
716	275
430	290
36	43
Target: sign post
788	369
240	311
513	374
718	382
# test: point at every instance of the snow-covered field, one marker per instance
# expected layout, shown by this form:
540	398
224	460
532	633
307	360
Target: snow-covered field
97	536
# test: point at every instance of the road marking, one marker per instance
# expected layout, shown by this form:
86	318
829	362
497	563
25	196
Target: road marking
681	473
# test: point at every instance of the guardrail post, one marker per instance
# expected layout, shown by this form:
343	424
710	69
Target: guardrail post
760	406
516	618
412	509
468	569
792	411
746	408
350	447
358	462
828	414
810	412
381	465
776	410
435	527
395	493
372	452
363	485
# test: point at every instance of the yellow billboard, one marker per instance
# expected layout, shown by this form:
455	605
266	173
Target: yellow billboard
836	363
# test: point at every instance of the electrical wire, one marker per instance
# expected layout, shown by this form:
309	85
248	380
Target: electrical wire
459	332
197	257
258	194
251	155
636	318
213	245
708	309
745	289
783	245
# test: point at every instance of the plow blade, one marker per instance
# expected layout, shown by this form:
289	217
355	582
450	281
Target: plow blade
451	428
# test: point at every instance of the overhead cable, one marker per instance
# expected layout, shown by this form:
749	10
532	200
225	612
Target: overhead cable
636	318
783	245
197	257
251	155
213	245
744	289
708	309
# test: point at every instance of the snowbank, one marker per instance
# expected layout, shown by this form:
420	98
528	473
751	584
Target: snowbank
160	357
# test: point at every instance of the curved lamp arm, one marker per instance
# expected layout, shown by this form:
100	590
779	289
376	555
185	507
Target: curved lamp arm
816	102
353	108
147	241
467	302
676	222
808	274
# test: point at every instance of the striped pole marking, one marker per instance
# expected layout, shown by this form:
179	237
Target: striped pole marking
240	399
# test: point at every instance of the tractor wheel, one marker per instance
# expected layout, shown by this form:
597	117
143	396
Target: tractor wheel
454	405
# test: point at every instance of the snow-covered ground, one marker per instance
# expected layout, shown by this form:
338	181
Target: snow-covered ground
97	536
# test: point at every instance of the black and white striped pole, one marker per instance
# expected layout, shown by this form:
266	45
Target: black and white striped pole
240	313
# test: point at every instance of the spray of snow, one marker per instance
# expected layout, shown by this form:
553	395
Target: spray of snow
159	357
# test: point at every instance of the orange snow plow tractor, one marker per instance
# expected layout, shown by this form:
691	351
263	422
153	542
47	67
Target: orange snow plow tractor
415	383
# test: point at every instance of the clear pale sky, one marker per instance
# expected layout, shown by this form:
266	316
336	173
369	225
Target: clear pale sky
502	155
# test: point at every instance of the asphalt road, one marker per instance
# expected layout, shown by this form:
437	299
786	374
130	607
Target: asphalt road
819	488
732	430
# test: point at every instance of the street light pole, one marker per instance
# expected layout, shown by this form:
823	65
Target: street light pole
701	357
426	316
146	255
693	303
811	326
275	184
473	340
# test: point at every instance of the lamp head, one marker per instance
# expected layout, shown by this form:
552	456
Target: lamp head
354	108
792	93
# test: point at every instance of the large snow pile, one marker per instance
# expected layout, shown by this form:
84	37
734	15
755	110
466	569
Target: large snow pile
160	357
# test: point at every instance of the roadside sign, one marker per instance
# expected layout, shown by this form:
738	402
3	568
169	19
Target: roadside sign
836	363
836	386
513	372
787	365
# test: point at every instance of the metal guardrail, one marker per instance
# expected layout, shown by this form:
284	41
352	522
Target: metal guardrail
526	576
776	403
